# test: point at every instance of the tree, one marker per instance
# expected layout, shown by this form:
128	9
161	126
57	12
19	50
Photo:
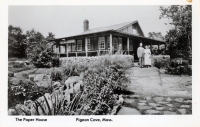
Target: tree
50	36
179	37
36	43
16	42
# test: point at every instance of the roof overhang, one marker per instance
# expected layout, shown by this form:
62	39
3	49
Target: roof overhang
114	32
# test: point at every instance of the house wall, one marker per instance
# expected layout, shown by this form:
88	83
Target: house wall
129	29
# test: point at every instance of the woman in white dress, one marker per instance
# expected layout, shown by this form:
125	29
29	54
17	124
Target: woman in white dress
147	57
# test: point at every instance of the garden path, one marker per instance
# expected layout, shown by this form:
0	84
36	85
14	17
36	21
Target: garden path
158	93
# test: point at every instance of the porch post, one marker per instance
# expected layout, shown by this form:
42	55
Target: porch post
111	45
128	45
67	50
86	47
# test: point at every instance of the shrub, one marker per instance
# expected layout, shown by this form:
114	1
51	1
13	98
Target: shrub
43	59
161	61
55	62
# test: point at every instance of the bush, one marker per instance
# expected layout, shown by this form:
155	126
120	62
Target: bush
43	60
55	62
161	61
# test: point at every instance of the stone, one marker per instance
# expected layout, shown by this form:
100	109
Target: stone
158	99
134	96
179	100
148	98
170	105
160	108
142	101
144	107
153	104
121	100
188	101
182	111
169	113
130	103
185	106
141	104
168	99
163	102
128	111
11	111
152	112
115	110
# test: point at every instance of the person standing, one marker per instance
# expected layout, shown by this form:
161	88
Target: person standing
147	56
140	52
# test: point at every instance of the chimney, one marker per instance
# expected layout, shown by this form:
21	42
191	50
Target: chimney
85	25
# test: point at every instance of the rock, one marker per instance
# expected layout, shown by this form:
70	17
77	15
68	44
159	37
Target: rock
158	99
168	99
160	108
10	74
39	77
170	105
141	104
185	106
144	107
169	113
115	110
188	101
182	111
130	103
121	101
128	111
152	112
148	98
43	103
134	96
153	104
11	112
179	100
142	101
163	102
18	108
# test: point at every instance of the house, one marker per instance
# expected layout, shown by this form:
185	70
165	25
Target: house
110	39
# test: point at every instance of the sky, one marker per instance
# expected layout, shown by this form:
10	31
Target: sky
68	20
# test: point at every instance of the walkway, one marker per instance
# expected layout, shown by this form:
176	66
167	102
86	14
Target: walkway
157	93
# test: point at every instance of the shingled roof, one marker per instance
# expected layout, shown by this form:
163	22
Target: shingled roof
105	28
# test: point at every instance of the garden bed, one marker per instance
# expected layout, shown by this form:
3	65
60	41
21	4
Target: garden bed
81	86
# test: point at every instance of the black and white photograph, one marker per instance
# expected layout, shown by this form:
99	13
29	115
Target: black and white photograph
99	64
100	60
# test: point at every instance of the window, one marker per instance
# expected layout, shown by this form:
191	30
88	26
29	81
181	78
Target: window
108	42
73	46
79	45
101	43
62	48
88	44
115	43
69	47
120	43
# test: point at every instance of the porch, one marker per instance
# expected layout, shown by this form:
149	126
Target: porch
107	42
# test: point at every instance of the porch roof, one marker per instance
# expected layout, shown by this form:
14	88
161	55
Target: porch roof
114	32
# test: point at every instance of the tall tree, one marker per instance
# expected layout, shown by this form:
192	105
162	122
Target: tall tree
35	43
16	42
179	37
50	36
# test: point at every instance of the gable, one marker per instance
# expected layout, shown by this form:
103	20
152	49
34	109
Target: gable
133	28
